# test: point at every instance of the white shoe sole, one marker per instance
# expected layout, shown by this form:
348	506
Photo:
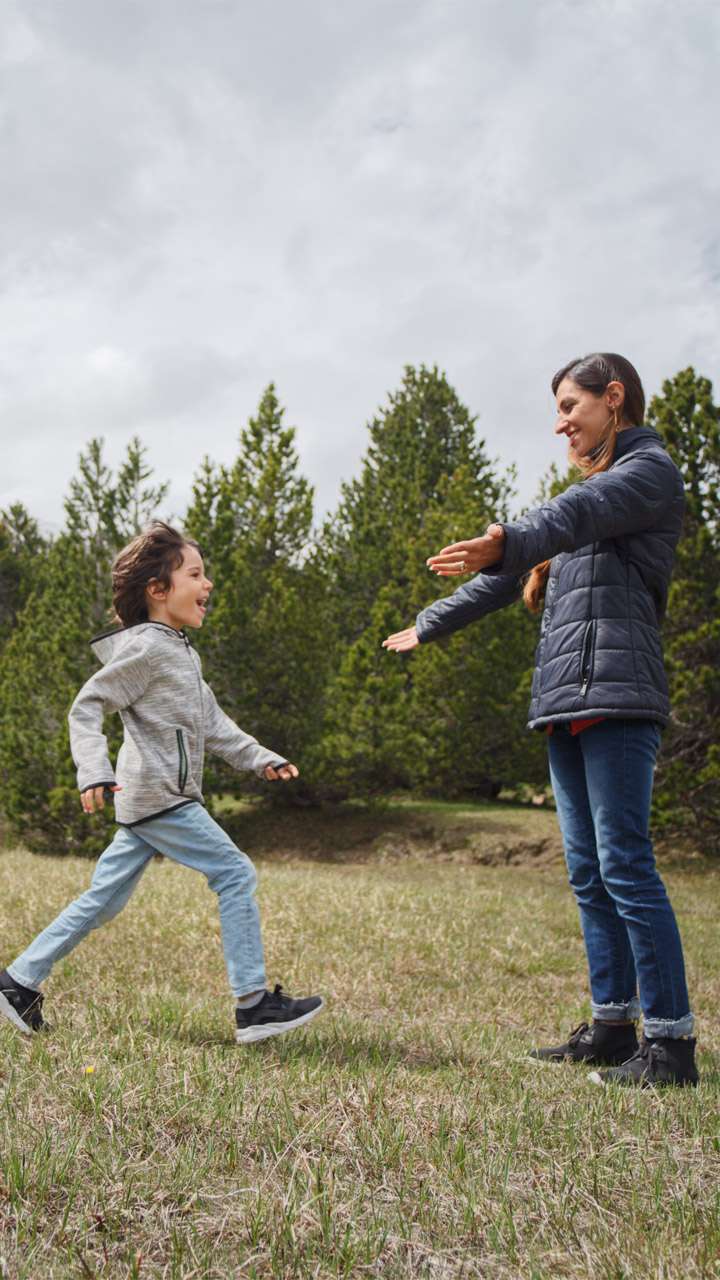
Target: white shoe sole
596	1078
249	1035
527	1059
13	1016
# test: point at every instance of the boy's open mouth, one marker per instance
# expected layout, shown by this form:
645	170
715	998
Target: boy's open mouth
203	603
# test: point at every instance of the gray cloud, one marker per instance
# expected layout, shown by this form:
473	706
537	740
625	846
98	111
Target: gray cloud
204	195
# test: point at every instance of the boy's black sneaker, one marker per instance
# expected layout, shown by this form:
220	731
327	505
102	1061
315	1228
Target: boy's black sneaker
20	1005
273	1015
598	1042
657	1062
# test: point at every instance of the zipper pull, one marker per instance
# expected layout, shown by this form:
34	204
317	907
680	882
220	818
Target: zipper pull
584	687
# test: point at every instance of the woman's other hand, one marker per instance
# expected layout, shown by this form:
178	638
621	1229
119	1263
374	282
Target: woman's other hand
402	641
470	557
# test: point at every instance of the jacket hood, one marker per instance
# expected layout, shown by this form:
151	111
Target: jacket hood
109	643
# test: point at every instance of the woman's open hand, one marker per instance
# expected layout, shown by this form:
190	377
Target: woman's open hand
402	641
471	556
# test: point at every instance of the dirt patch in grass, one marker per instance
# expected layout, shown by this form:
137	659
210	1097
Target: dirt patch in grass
483	836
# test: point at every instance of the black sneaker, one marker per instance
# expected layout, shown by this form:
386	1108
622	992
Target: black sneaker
657	1062
273	1015
20	1005
600	1042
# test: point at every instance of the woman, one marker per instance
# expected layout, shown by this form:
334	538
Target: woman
600	556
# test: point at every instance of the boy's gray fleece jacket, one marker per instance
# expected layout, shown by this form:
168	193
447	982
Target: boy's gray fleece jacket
611	541
153	677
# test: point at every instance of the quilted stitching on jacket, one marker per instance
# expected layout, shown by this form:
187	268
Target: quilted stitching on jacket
611	540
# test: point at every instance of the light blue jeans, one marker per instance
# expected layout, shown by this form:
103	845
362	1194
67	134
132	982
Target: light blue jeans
187	835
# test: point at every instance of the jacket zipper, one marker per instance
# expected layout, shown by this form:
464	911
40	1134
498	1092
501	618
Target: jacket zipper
196	673
182	760
586	658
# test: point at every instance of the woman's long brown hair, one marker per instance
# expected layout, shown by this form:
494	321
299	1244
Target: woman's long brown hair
593	373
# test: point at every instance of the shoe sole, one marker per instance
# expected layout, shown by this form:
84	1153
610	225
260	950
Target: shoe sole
250	1035
596	1078
573	1062
549	1062
13	1016
564	1062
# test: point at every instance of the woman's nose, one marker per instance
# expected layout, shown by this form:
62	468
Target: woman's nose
561	427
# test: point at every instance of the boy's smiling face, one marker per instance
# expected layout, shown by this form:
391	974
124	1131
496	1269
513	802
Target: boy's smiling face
184	604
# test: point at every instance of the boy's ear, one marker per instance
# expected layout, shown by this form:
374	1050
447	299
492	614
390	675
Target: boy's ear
156	590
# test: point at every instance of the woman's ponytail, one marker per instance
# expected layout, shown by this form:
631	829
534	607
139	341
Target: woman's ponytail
535	586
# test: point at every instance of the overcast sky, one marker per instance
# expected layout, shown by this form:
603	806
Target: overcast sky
200	196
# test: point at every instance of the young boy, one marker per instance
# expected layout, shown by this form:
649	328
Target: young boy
152	676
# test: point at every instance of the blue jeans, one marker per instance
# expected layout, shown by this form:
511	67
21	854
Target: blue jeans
187	835
602	780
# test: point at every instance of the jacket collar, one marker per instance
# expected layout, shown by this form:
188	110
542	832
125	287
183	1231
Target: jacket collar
633	438
119	631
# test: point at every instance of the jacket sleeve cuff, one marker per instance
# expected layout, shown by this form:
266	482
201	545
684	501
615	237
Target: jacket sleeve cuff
277	762
511	561
100	774
422	633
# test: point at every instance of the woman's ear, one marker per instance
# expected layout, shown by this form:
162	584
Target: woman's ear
615	395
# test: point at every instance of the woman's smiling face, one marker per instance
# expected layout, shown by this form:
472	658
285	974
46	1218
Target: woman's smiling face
584	417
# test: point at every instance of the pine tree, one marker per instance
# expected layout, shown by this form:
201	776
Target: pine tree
470	692
371	744
47	657
688	780
263	643
423	435
134	500
21	550
393	721
43	665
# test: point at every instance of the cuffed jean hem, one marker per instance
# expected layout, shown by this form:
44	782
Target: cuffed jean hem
627	1012
260	984
18	977
667	1028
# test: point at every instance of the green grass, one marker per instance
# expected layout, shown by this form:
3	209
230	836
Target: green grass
402	1135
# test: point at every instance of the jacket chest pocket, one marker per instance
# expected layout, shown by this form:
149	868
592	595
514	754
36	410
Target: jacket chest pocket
182	760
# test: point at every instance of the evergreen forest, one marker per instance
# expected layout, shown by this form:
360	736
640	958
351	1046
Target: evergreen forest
292	642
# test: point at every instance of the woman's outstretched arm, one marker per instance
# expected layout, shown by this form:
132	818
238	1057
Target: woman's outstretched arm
484	594
641	487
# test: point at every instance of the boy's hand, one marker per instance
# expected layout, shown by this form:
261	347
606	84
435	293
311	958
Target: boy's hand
94	799
286	772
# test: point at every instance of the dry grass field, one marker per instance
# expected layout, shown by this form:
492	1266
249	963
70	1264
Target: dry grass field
404	1134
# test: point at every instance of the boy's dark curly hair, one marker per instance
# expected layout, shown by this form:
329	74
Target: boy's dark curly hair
150	557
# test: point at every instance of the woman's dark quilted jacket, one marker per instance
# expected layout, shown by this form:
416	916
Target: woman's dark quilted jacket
611	540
